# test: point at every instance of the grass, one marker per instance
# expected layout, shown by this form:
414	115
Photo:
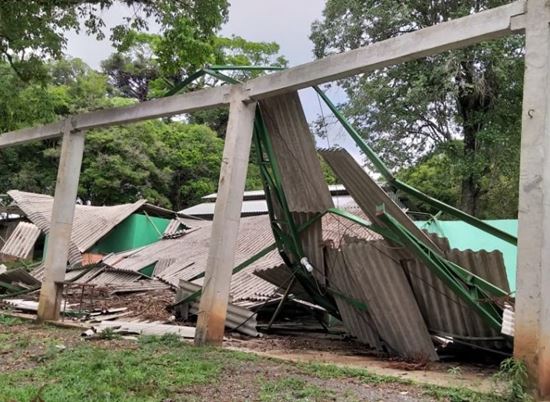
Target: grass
154	371
52	364
514	373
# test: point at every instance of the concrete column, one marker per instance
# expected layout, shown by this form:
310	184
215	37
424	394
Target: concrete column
225	228
532	311
59	237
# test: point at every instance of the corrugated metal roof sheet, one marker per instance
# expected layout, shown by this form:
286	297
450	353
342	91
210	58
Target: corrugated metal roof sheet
90	223
256	207
337	231
464	236
366	192
238	318
294	147
185	258
374	277
442	309
19	275
21	242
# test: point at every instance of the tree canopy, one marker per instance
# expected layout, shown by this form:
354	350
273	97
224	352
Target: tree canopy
34	30
410	111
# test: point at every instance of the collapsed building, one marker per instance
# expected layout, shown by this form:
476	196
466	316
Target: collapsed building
393	286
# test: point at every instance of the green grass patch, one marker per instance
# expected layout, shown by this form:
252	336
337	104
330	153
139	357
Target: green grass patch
151	373
292	389
459	394
8	321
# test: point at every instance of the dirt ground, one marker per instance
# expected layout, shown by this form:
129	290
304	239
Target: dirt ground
343	352
290	376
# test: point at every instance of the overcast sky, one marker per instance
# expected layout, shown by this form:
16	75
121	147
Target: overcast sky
287	22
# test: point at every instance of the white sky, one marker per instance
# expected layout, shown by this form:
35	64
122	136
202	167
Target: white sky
287	22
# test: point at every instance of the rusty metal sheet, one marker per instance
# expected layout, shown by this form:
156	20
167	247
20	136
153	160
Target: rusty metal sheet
367	193
294	147
21	242
378	280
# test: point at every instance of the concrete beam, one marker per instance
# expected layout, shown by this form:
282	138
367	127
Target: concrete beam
225	228
462	32
532	309
72	150
162	107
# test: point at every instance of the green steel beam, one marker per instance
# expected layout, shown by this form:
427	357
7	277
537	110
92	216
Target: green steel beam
178	87
392	180
245	68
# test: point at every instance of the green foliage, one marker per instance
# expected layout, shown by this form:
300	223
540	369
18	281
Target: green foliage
410	110
436	175
169	164
514	374
9	321
34	30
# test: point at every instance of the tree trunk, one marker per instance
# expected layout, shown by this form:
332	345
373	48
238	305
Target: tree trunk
470	183
472	105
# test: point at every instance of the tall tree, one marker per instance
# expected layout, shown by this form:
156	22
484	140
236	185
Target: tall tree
34	30
407	110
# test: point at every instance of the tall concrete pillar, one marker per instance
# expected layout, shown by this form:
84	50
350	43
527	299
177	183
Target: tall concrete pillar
66	188
225	228
532	311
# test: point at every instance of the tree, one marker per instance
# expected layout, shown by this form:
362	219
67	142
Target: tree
169	163
408	110
34	30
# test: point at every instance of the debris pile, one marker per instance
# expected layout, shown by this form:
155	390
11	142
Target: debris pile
367	265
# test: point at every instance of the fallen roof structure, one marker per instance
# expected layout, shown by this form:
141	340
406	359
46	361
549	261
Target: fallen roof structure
532	323
91	224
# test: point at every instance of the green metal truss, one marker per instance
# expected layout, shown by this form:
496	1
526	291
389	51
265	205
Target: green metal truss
475	291
396	183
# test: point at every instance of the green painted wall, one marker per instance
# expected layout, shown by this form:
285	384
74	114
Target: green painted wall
463	237
135	231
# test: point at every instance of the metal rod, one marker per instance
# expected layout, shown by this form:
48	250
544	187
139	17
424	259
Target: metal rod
281	302
246	68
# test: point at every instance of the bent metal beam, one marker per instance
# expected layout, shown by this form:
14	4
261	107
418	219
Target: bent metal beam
449	35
